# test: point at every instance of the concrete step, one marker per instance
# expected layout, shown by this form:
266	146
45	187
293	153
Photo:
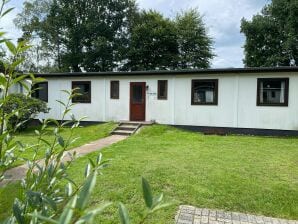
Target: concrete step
127	127
122	132
137	122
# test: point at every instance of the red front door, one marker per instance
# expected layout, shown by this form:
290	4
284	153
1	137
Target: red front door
137	101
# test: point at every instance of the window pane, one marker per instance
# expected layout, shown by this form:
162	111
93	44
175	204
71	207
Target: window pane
272	91
114	89
137	94
204	91
84	89
162	89
40	91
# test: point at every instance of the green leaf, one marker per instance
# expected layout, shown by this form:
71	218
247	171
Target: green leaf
24	48
88	218
3	79
17	211
85	193
16	63
43	218
158	200
11	47
87	170
123	214
61	141
67	214
68	189
98	159
91	163
7	11
37	132
46	142
62	103
50	201
66	91
147	194
161	206
37	80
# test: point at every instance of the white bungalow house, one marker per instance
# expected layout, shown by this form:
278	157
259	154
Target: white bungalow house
247	100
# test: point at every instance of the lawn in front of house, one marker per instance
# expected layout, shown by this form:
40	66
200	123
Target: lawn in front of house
84	134
257	175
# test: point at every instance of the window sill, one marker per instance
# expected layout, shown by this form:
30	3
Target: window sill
204	104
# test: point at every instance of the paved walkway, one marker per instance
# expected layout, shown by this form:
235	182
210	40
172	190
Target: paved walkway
19	172
192	215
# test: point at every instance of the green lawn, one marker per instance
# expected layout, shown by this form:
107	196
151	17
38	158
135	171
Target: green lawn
238	173
85	134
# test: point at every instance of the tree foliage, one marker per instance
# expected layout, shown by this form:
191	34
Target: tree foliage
160	43
153	43
110	35
195	47
91	34
27	108
272	35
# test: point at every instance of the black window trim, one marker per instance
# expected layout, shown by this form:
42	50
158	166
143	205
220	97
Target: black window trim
159	97
38	88
111	95
215	102
285	104
80	83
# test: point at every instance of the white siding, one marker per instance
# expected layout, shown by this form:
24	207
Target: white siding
236	101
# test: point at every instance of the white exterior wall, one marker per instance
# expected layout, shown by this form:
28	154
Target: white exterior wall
236	101
118	109
268	117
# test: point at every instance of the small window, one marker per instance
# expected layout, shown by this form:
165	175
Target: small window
204	92
162	89
273	92
84	89
114	90
40	91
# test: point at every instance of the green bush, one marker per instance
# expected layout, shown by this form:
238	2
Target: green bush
23	108
1	67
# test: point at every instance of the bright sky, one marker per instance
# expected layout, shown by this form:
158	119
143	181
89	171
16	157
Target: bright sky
222	19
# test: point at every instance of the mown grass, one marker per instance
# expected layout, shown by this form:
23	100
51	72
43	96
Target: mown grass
84	135
258	175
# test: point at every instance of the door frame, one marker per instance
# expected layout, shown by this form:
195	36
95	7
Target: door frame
130	98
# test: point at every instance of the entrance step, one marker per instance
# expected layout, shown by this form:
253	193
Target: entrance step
126	128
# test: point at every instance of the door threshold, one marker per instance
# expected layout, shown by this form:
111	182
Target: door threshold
138	122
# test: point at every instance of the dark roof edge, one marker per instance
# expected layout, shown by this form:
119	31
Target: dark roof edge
174	72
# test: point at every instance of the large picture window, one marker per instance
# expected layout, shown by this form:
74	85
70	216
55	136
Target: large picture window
204	92
40	91
84	89
273	92
162	89
114	90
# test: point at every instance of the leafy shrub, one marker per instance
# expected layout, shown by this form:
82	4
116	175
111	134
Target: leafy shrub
23	108
1	67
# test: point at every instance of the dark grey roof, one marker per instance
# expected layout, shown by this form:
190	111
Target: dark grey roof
175	72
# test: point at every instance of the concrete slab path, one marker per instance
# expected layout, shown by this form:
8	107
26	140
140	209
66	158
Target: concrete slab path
192	215
19	172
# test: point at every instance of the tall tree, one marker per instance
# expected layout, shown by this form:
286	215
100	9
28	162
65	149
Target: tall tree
90	33
160	43
195	47
272	36
32	23
153	43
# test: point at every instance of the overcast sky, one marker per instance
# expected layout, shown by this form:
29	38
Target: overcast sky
222	19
